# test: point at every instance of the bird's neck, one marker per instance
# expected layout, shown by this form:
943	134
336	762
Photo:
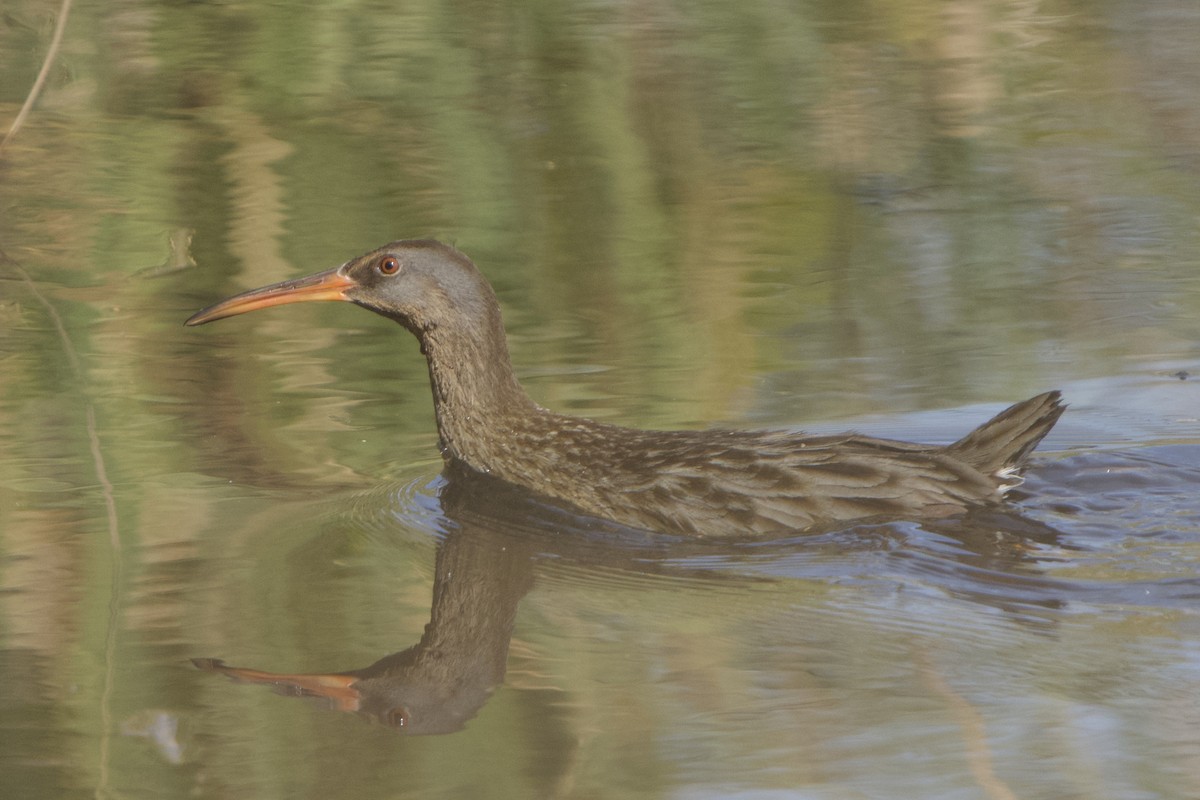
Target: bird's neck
476	396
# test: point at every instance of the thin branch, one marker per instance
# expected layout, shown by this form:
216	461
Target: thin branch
36	90
114	527
970	721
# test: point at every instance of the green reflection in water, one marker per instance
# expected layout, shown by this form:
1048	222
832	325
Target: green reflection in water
751	213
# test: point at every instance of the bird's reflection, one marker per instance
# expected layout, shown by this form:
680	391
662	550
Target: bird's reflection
440	682
497	534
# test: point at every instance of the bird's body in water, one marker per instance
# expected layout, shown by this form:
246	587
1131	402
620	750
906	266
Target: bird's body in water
703	483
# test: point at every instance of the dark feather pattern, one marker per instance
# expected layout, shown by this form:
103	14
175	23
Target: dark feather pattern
739	483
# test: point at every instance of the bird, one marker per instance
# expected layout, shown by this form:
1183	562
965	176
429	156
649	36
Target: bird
729	483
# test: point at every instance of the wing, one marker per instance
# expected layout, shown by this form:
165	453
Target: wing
741	484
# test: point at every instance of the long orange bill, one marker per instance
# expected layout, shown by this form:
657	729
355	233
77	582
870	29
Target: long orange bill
328	285
337	687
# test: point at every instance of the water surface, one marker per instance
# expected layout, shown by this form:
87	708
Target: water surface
895	218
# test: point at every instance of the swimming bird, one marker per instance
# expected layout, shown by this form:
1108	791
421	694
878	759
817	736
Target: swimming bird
718	483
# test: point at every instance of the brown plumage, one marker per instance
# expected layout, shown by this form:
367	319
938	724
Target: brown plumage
710	483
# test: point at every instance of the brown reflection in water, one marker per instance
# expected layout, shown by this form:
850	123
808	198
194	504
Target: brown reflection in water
486	564
439	683
442	681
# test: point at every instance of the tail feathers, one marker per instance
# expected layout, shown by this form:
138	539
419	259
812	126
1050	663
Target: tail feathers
1001	445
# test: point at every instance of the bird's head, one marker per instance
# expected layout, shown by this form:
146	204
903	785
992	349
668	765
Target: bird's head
420	283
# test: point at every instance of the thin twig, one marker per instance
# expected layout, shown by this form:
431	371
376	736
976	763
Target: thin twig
36	90
114	529
970	721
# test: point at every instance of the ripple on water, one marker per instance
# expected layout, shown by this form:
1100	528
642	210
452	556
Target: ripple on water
1097	528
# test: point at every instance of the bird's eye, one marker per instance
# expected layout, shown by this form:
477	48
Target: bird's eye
389	265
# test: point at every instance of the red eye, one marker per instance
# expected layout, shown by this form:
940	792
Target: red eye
389	265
